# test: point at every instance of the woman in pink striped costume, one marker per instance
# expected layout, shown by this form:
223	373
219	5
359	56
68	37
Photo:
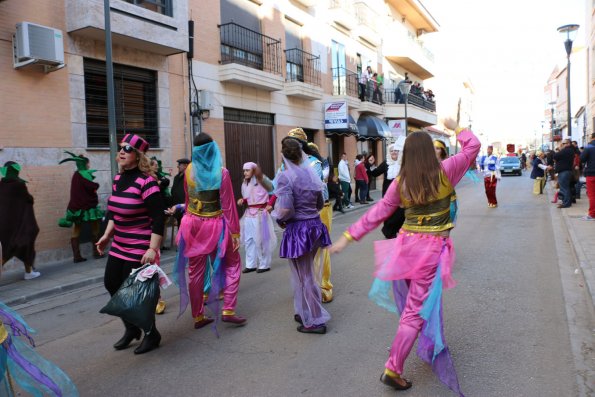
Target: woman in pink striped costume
418	262
136	221
208	239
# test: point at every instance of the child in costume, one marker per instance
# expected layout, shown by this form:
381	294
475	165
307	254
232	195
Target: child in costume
419	261
258	233
83	206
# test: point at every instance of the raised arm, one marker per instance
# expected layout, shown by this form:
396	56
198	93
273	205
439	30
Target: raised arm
228	204
380	212
456	166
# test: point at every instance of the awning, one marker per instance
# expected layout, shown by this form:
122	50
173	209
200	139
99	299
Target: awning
372	128
352	129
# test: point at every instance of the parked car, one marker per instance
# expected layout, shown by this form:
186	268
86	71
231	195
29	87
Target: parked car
510	166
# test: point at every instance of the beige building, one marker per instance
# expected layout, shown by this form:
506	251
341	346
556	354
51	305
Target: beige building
256	70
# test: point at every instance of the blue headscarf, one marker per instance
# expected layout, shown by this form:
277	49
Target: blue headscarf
206	164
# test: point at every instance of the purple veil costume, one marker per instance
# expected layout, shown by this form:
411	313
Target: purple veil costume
299	200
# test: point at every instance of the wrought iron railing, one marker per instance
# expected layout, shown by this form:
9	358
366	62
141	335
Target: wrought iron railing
250	48
392	96
344	82
302	66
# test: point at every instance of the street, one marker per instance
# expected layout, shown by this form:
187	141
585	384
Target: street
506	322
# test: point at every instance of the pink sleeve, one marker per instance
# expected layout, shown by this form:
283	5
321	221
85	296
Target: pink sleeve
380	212
228	203
456	166
148	187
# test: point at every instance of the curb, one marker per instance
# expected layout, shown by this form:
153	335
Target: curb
579	254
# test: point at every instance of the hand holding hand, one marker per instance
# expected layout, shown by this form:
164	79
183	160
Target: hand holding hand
339	245
240	202
236	243
171	210
269	208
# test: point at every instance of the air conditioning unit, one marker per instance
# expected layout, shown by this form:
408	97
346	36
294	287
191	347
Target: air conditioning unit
37	44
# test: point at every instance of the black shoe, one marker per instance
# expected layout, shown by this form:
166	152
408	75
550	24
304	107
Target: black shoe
246	270
298	319
316	329
263	270
369	199
131	333
150	342
389	381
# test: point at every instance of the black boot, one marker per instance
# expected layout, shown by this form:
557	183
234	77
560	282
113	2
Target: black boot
150	341
132	332
76	251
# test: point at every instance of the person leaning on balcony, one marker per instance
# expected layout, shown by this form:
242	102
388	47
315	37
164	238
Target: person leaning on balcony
363	82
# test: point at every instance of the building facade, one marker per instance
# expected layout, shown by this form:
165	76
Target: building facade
251	71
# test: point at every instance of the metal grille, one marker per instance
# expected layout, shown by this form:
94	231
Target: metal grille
416	100
344	82
250	48
302	66
41	42
161	6
247	116
135	101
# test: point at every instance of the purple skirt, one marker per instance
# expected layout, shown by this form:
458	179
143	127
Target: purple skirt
303	236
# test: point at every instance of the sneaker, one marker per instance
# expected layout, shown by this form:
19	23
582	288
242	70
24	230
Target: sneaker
350	206
32	275
587	218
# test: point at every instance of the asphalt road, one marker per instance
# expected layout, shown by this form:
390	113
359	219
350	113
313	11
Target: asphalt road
505	322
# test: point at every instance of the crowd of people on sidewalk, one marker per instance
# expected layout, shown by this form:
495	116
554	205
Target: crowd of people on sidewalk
416	210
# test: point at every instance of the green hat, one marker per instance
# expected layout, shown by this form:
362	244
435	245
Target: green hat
81	165
11	171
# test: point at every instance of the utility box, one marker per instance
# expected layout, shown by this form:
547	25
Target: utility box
205	100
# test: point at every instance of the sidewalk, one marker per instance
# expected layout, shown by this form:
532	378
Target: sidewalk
581	237
60	277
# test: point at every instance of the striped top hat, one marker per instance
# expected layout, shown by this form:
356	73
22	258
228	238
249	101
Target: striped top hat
136	142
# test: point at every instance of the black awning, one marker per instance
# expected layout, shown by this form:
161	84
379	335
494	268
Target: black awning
373	128
352	129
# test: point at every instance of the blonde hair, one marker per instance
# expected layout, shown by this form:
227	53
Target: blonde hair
144	164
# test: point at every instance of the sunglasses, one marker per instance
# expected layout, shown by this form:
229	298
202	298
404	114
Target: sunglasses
127	149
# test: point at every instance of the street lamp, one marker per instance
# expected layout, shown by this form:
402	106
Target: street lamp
109	76
568	33
405	88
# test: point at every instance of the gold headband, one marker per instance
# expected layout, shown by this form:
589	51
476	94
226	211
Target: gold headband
298	133
315	146
439	144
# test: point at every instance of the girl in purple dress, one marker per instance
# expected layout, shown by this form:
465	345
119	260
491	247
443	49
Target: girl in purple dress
299	200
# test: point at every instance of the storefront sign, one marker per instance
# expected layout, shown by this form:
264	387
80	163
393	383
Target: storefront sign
398	127
336	116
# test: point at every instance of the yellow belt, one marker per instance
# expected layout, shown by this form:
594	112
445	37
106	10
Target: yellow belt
205	214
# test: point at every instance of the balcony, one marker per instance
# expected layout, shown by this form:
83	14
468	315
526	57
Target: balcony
345	86
155	26
250	58
416	14
367	23
302	71
407	51
342	12
419	111
307	3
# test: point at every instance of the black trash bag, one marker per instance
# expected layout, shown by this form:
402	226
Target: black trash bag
135	301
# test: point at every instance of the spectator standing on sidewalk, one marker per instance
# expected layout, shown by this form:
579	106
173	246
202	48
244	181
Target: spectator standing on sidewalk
345	181
563	167
178	194
361	180
370	164
18	226
538	172
588	159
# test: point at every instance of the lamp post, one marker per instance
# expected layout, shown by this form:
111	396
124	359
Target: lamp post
568	33
109	76
405	88
553	122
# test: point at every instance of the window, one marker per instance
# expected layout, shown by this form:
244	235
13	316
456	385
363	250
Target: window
135	92
294	66
161	6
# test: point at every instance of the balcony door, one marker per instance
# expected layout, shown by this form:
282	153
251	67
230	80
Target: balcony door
339	68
